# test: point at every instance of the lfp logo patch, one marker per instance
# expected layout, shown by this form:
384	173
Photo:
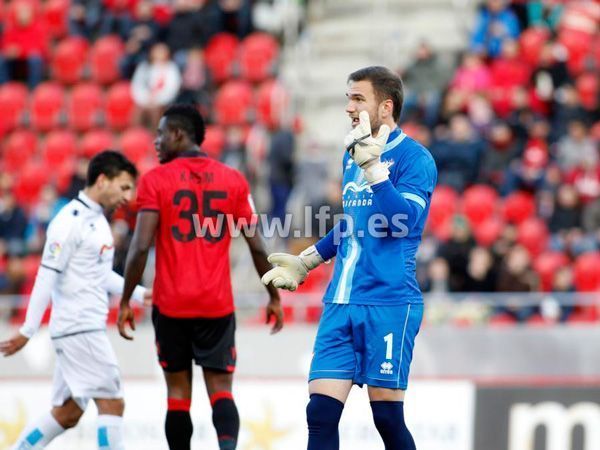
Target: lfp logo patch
54	249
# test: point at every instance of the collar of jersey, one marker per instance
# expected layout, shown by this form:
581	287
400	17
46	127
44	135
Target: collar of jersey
91	204
396	136
190	154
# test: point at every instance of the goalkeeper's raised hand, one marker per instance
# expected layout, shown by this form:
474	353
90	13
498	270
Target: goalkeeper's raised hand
291	270
366	150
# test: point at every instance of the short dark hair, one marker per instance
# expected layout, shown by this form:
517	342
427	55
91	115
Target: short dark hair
386	84
111	164
188	119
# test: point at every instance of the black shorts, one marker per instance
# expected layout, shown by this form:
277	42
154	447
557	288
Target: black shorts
209	342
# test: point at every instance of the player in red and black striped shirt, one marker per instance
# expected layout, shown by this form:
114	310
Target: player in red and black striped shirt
188	204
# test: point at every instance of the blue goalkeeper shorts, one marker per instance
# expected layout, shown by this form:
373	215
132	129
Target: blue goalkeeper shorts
367	344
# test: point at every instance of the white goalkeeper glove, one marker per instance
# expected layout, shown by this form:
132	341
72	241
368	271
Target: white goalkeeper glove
291	270
365	149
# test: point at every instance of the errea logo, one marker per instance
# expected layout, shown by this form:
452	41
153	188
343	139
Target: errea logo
387	368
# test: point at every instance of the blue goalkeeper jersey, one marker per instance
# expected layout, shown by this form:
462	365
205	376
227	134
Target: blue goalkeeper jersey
375	257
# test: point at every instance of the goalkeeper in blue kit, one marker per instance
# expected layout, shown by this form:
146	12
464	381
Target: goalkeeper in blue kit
373	304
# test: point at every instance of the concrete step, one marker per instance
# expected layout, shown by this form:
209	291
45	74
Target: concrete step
327	9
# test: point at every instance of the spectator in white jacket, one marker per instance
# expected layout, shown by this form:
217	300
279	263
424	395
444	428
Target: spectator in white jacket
155	84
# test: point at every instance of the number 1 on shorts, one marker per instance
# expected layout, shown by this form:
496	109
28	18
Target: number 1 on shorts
389	340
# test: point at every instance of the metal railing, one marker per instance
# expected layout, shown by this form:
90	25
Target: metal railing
440	308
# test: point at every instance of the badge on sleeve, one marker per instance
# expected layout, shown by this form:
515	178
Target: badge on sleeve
54	249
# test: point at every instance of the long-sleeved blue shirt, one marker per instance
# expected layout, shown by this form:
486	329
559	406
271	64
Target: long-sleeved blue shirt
377	240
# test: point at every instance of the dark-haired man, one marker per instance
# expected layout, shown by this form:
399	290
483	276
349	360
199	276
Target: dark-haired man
76	272
193	313
373	305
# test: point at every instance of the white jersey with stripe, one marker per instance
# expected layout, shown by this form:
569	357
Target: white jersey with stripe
373	265
79	248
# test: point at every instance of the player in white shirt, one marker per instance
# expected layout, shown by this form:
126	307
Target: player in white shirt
76	272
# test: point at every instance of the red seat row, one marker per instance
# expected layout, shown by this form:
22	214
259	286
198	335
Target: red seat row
87	106
254	58
237	103
22	146
73	59
50	106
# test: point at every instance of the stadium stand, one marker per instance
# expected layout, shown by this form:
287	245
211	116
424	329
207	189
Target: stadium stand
509	125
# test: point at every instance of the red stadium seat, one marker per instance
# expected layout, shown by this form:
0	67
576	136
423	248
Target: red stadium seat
32	177
59	147
214	141
479	203
533	235
13	102
85	106
317	281
95	141
162	12
583	315
233	103
64	174
104	59
444	204
47	106
220	56
531	41
69	59
502	320
546	266
31	265
488	231
258	55
313	313
56	15
588	87
578	43
595	53
136	144
518	207
595	132
17	149
120	107
587	272
272	103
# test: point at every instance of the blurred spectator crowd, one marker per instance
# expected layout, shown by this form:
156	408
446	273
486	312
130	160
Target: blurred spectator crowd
515	130
80	76
513	124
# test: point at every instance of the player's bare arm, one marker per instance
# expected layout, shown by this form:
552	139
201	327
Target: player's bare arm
13	345
145	228
262	265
